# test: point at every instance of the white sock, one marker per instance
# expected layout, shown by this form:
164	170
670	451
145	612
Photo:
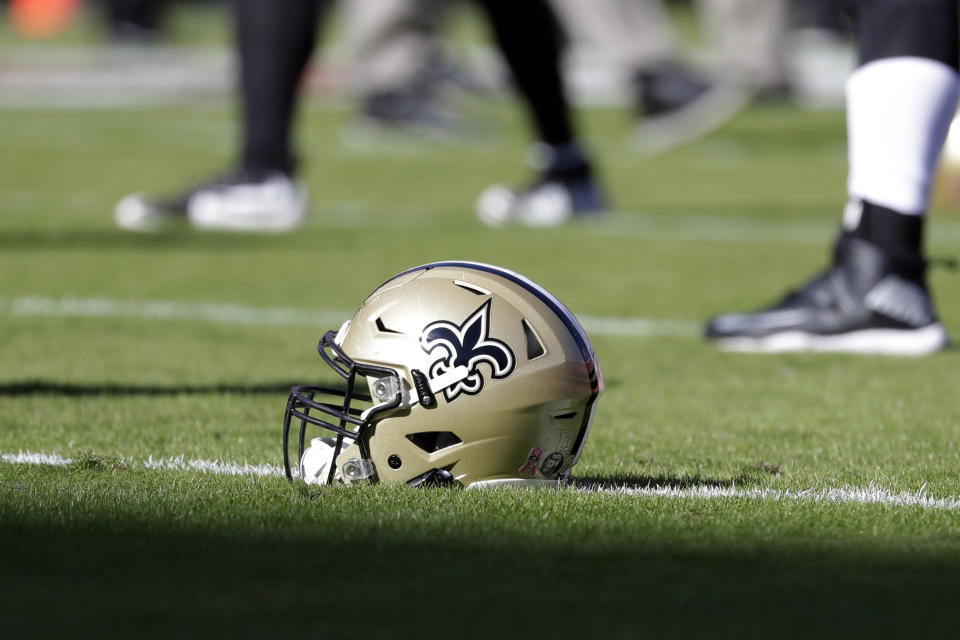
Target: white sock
898	113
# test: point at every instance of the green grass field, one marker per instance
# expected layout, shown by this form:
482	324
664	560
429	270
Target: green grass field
93	371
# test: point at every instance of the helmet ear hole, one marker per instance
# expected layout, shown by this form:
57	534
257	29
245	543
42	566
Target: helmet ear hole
534	345
433	441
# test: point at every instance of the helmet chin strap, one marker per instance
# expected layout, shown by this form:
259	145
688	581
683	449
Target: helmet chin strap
423	392
433	478
424	389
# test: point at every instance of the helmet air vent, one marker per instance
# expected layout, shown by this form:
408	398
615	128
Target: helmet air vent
472	288
432	441
382	328
534	346
566	416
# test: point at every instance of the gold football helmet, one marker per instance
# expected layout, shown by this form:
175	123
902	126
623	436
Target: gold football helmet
456	373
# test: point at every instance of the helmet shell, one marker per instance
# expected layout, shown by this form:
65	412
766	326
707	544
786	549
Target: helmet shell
522	413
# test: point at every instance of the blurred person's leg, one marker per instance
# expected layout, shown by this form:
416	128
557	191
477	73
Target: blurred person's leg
274	44
393	48
274	48
822	53
748	38
529	38
633	34
261	194
900	101
390	41
677	103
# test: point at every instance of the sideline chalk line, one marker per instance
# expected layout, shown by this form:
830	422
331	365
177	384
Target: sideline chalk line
872	494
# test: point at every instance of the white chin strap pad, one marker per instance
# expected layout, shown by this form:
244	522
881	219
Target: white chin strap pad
316	460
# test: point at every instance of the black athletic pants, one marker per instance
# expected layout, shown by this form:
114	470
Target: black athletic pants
275	41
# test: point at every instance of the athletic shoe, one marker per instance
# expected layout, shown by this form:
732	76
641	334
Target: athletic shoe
139	212
274	204
678	106
244	200
550	202
867	302
565	189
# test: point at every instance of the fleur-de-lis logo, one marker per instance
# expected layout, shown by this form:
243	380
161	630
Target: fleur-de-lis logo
467	345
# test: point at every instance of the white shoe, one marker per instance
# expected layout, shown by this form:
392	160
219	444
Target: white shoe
137	212
550	203
244	200
275	205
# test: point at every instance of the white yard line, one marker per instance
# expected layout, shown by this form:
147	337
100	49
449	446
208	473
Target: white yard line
871	494
639	327
71	307
179	463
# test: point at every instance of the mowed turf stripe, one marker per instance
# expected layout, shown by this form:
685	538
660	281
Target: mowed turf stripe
71	307
872	494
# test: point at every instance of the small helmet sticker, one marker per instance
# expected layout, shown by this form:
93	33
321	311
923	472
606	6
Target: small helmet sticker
551	464
530	466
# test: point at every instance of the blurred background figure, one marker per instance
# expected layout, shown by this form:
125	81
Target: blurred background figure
820	53
675	101
747	38
263	194
400	69
398	64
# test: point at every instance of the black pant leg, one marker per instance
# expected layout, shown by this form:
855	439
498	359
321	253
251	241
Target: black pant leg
275	40
529	37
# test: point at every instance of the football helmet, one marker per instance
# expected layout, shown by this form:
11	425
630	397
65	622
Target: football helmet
456	373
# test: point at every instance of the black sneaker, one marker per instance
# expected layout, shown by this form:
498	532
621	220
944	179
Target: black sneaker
867	302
